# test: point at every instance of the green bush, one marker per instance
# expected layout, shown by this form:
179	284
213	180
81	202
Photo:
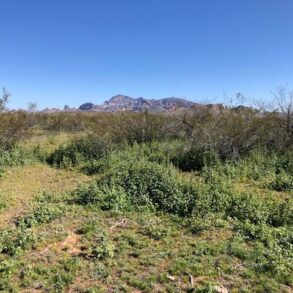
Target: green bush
195	159
42	214
283	182
13	241
141	184
104	249
248	207
285	162
272	250
282	213
197	223
105	197
81	150
18	156
151	184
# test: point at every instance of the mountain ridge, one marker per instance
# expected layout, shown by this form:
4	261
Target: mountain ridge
121	103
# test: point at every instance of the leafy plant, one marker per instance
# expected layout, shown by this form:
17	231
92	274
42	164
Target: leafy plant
81	150
283	182
13	241
104	248
156	229
42	213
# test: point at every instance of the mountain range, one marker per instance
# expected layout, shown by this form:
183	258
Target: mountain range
120	103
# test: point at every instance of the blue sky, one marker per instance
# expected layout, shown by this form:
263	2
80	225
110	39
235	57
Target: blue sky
57	52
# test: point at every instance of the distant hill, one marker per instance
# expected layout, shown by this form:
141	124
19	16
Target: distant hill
120	103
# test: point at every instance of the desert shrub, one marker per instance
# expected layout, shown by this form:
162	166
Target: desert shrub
14	127
195	159
156	229
13	241
248	207
90	229
282	182
198	223
104	248
282	213
7	268
104	196
17	156
63	121
153	185
41	214
90	148
140	184
269	211
61	281
284	162
272	251
101	271
95	166
213	195
153	152
160	152
257	165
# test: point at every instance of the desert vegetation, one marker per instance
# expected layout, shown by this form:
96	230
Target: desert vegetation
188	201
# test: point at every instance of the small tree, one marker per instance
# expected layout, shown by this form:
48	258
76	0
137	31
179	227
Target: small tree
31	106
284	114
4	99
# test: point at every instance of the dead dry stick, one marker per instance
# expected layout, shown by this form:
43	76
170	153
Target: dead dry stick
191	280
117	224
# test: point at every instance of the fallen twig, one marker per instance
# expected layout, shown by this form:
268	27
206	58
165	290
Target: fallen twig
191	281
118	224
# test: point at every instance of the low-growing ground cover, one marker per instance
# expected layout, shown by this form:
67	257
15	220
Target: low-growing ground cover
143	220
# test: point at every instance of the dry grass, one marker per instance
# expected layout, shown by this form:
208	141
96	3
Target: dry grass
21	184
49	141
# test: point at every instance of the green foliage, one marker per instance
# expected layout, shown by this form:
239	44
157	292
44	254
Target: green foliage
285	162
198	223
42	213
104	248
105	197
282	213
89	229
272	250
23	237
161	187
283	182
101	272
3	202
248	207
156	229
62	281
81	150
7	268
140	184
18	156
247	240
13	241
195	159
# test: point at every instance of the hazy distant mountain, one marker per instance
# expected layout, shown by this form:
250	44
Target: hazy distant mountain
120	103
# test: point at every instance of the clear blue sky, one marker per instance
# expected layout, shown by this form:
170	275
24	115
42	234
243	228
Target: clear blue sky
57	52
